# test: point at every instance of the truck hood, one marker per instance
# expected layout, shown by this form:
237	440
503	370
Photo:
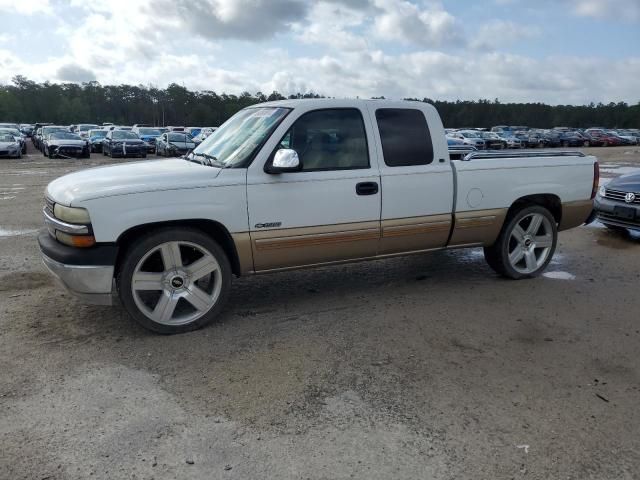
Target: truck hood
125	179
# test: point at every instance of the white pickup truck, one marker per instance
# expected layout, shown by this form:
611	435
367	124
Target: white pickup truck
301	183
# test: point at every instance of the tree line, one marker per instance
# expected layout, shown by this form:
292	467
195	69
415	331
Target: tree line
26	101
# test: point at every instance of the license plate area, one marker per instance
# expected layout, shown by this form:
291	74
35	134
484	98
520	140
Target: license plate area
627	213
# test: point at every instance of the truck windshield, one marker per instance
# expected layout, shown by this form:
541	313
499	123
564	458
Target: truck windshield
239	138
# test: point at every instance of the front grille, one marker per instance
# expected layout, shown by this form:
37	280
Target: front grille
69	151
623	222
619	196
48	203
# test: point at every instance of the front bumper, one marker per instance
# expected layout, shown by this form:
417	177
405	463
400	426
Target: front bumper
86	273
606	210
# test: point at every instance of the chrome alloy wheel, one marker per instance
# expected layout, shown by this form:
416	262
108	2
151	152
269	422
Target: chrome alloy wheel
176	283
530	243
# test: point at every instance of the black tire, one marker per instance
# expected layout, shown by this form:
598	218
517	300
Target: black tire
586	143
152	240
24	148
565	144
497	255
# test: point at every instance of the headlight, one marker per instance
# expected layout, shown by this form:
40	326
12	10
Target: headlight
71	214
602	191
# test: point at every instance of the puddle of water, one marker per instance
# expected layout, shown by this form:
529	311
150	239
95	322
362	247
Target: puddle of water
557	259
559	275
15	233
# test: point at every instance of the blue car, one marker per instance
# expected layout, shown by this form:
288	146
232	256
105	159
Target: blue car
149	136
95	138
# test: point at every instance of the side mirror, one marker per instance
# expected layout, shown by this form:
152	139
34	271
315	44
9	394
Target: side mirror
285	160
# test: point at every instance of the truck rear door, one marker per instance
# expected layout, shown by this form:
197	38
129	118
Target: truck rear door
416	178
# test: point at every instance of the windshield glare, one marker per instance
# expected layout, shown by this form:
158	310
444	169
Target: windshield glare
123	134
64	136
179	137
235	142
149	131
97	133
6	138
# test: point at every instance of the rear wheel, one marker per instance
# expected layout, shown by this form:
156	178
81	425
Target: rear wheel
174	280
586	143
525	245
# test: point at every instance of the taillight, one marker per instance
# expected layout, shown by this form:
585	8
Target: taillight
596	180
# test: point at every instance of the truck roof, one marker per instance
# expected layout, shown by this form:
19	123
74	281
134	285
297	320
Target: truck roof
338	103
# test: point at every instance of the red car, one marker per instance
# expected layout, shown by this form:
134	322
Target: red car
604	138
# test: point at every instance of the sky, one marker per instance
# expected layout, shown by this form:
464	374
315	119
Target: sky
552	51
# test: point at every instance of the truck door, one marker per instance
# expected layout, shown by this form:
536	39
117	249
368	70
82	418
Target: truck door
330	209
416	178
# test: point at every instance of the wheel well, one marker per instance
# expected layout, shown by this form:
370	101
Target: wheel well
547	200
216	230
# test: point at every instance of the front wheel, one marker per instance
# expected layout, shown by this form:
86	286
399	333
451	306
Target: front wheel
174	280
525	245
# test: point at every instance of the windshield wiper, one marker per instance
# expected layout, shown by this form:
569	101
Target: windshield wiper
211	161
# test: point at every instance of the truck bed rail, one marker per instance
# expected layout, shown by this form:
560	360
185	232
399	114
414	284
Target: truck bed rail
500	154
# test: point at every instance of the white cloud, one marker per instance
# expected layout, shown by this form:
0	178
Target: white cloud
409	23
499	33
29	7
626	10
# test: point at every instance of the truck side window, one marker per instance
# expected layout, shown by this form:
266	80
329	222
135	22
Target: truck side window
331	139
405	137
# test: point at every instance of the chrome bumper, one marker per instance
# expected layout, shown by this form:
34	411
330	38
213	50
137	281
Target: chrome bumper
93	284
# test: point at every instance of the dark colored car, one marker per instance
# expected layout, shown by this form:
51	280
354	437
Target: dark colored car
492	141
123	143
66	145
604	138
618	203
173	144
571	139
95	138
589	140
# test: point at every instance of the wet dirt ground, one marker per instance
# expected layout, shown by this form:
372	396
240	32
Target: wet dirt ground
425	367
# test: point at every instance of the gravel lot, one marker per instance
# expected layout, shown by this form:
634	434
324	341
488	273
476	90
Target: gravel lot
425	367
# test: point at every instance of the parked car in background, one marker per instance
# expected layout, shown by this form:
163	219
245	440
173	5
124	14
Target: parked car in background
19	136
174	144
83	129
44	131
10	146
66	145
175	129
470	137
618	203
26	129
122	143
628	137
454	142
15	126
604	138
95	138
149	135
492	141
204	133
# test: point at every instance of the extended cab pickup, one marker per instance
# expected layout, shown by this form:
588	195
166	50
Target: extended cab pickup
295	184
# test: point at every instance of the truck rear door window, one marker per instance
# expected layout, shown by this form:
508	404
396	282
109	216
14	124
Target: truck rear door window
405	137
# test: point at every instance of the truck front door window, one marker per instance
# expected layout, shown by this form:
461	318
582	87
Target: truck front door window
332	139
